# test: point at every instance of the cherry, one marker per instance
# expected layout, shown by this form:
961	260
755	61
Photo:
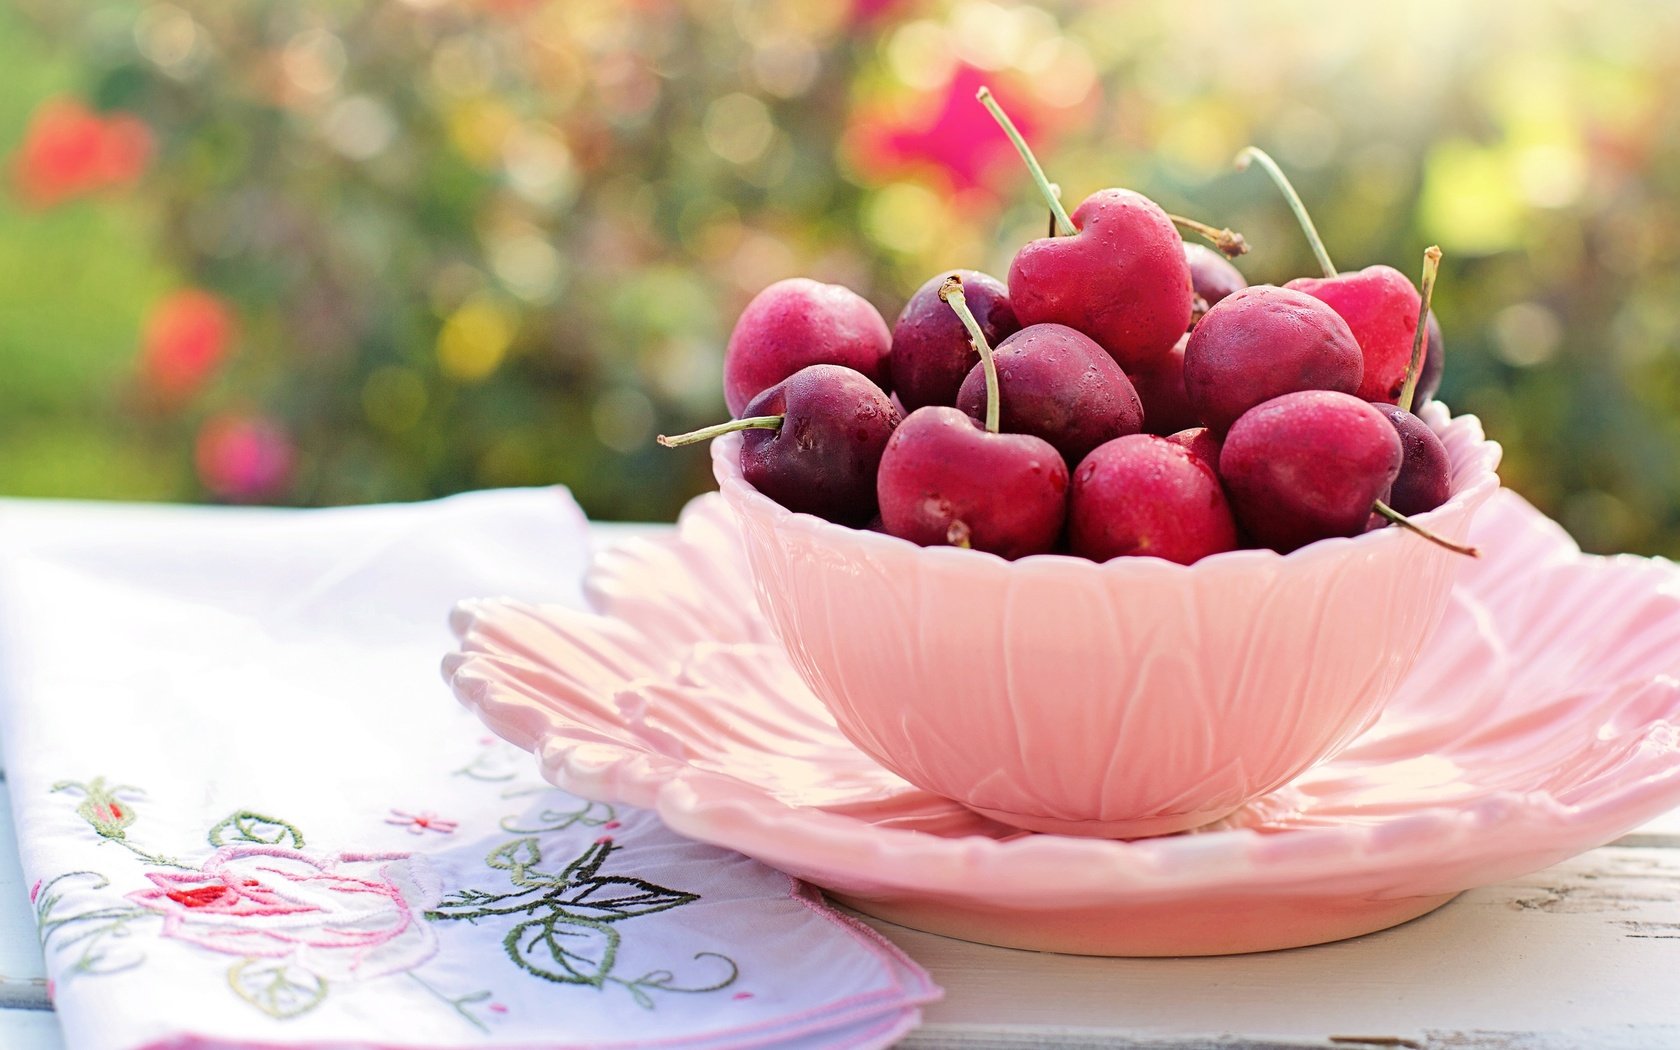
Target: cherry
1201	442
1148	495
1057	384
931	352
1379	303
799	322
946	479
1118	274
1211	276
1160	385
1314	464
1262	342
1425	479
1308	465
1380	306
813	442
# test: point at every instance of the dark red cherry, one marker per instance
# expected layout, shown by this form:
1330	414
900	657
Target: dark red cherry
813	442
1308	465
931	352
1425	479
1260	343
1202	443
1211	276
1057	384
1160	386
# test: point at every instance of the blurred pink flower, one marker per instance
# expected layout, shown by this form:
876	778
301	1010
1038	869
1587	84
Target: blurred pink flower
70	151
188	334
245	458
865	13
950	133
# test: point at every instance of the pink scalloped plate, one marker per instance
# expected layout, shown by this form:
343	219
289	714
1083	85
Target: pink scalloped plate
1542	721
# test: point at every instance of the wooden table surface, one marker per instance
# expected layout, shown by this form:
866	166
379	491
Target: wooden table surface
1583	955
1586	954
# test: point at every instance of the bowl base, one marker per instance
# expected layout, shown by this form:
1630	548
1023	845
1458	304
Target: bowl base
1233	924
1140	828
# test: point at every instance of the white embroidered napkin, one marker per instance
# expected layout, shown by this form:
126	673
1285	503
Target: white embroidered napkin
253	815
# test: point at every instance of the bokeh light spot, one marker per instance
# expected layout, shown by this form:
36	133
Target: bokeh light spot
1526	334
904	217
737	128
474	339
623	419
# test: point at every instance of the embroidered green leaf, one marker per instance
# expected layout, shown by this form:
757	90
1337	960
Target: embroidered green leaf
246	826
516	856
564	949
613	897
278	988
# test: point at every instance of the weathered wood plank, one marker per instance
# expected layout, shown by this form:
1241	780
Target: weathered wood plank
1582	954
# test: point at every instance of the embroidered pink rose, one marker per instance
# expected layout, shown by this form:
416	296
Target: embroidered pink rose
345	917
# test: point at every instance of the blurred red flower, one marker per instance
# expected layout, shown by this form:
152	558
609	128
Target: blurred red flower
70	151
189	333
950	133
244	458
866	13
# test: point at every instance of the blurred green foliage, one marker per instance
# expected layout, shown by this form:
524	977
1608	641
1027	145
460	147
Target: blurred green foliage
501	242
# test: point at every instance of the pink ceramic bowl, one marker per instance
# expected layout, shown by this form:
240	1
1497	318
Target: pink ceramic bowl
1131	698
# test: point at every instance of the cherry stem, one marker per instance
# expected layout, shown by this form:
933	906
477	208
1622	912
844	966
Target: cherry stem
1060	215
1431	264
1228	241
951	292
708	433
1057	190
1255	153
1404	522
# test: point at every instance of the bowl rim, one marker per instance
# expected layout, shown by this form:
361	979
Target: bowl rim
1479	464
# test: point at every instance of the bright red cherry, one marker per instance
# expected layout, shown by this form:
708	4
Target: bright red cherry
799	322
1117	273
1380	306
1148	495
